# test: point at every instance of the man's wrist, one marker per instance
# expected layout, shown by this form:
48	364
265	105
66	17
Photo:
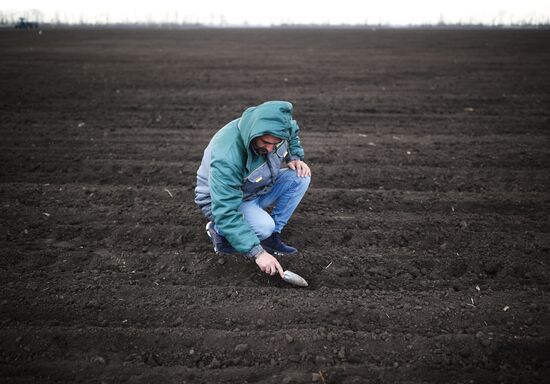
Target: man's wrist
254	252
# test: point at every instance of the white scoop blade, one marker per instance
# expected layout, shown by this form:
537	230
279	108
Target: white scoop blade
292	278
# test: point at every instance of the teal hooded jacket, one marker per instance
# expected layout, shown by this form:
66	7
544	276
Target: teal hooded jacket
232	172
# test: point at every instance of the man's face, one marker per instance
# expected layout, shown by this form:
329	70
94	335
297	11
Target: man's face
265	144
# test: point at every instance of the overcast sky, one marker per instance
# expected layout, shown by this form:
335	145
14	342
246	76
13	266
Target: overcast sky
239	12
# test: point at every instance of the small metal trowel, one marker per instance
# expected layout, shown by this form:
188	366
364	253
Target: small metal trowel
292	278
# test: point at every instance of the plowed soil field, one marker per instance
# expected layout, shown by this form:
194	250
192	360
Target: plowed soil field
424	234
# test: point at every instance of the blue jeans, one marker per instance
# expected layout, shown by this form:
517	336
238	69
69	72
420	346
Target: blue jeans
284	196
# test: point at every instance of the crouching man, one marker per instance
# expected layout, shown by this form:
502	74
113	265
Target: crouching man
240	176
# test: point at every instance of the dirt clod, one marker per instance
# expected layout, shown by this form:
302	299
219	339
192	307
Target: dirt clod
241	348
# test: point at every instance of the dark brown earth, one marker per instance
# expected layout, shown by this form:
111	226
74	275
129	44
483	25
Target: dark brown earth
424	235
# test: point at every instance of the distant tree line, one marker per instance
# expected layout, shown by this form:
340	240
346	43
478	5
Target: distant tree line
174	20
24	24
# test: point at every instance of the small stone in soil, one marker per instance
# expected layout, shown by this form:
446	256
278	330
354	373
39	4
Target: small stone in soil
241	348
215	363
99	360
342	353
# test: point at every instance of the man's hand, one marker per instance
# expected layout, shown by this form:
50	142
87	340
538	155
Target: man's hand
301	168
269	264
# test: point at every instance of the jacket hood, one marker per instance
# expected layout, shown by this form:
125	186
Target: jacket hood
273	118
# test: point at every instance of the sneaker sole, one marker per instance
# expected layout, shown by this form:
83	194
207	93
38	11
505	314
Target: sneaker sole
210	236
277	253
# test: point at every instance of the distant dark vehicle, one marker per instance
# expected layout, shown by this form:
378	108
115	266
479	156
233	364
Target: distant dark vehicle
24	24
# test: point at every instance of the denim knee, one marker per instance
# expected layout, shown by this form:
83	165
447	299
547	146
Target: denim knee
265	228
303	182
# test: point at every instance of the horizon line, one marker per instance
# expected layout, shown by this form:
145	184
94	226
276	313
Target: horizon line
184	25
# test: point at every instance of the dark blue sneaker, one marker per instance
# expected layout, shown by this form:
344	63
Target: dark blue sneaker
221	245
274	245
